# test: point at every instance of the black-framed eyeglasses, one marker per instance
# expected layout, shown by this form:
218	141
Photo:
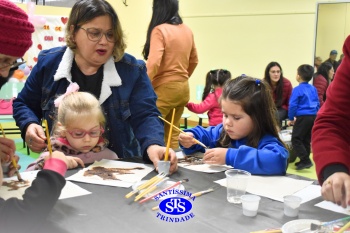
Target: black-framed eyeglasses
4	65
95	34
80	133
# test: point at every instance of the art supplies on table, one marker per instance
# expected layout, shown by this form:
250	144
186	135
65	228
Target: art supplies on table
112	173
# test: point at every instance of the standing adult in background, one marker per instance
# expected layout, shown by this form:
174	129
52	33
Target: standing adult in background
171	57
330	136
333	59
322	78
15	40
94	58
281	89
317	63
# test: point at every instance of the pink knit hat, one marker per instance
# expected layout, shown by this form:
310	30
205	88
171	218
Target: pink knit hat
15	30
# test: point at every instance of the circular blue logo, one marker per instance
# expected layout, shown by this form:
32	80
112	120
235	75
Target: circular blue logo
175	206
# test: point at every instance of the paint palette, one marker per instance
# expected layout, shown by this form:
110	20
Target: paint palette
299	225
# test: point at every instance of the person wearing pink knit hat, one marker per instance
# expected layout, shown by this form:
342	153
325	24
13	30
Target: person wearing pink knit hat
331	134
15	35
38	200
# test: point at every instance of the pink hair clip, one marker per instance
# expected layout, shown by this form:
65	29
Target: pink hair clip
73	87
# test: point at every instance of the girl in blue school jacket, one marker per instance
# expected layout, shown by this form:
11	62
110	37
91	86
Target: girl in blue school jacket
247	139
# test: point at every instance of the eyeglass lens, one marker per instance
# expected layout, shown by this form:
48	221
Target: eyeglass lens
95	34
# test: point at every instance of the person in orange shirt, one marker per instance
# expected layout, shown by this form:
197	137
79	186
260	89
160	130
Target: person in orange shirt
171	57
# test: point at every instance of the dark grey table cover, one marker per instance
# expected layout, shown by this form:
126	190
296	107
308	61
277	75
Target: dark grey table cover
107	210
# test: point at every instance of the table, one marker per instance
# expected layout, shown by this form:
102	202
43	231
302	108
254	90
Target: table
107	210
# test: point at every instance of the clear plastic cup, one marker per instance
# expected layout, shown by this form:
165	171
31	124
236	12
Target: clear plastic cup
237	181
291	205
250	204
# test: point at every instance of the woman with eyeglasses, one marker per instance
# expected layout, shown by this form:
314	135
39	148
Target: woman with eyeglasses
171	57
78	131
281	89
215	80
94	58
14	42
28	213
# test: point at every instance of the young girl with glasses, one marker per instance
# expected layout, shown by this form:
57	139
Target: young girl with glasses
247	139
210	100
78	130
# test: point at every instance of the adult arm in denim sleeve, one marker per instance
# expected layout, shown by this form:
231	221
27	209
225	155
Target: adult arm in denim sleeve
147	127
208	136
27	105
270	158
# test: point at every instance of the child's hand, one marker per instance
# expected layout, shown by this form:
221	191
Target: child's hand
289	123
215	156
73	162
186	139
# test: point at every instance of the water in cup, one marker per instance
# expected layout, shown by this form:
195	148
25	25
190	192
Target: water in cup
237	181
291	205
250	204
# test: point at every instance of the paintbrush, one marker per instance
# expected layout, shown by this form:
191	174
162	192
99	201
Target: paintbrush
198	194
165	189
48	138
151	188
145	185
346	226
198	142
14	163
169	137
269	231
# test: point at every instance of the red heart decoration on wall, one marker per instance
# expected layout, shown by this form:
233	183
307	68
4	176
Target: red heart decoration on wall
35	59
64	20
40	46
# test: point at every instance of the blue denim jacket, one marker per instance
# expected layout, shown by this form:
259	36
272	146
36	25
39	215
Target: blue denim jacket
132	122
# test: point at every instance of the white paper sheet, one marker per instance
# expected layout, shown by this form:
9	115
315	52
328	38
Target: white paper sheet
333	207
273	187
207	168
308	193
69	190
125	180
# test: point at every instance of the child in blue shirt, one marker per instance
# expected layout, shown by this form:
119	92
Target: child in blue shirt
247	139
303	107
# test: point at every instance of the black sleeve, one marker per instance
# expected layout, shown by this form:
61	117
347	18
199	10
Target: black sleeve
333	168
38	200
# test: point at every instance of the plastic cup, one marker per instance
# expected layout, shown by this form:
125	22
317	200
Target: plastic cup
291	205
163	166
237	181
5	167
250	204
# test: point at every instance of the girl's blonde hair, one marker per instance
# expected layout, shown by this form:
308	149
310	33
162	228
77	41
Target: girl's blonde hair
75	106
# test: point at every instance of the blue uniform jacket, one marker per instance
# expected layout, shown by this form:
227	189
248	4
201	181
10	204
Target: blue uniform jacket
270	158
132	122
303	101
